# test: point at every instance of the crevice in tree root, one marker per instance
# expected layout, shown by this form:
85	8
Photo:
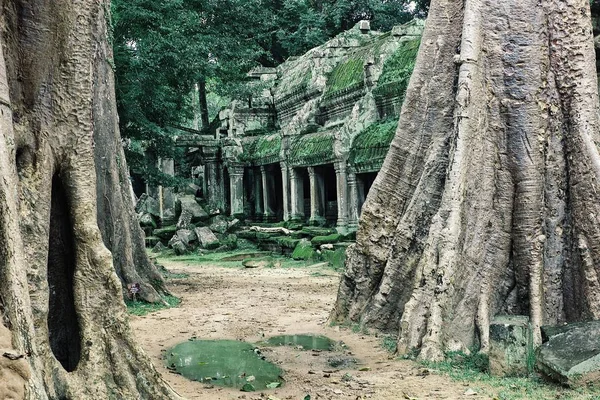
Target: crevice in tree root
63	325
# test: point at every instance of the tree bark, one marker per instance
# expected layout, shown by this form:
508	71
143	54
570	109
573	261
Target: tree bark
488	201
204	118
117	221
59	294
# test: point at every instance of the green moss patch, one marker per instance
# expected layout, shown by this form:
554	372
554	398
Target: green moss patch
262	150
336	258
287	242
165	233
399	66
313	231
304	251
319	240
371	146
312	149
397	70
346	74
141	308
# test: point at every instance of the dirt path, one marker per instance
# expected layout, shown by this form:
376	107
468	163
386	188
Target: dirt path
251	304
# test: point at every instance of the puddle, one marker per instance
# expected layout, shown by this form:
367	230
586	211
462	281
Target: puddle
227	363
307	342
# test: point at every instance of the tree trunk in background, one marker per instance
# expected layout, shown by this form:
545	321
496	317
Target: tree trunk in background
59	294
488	201
117	221
203	104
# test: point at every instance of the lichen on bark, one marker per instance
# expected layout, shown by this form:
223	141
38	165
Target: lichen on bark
487	202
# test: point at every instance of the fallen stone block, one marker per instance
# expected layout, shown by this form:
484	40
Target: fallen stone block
219	224
206	238
187	236
146	220
511	346
571	356
147	204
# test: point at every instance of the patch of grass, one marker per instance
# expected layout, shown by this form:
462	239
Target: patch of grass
390	344
141	308
474	367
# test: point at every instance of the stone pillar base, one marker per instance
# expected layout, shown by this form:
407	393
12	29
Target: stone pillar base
511	346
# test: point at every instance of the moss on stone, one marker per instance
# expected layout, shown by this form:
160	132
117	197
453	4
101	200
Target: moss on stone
287	242
165	233
336	258
265	236
313	149
261	150
304	251
248	235
313	231
397	70
370	146
319	240
346	74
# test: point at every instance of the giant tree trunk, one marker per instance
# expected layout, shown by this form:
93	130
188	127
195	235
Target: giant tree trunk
59	294
117	221
489	199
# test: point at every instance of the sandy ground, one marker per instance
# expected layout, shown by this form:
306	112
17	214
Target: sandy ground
251	304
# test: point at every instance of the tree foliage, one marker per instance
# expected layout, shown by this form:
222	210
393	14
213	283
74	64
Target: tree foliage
163	49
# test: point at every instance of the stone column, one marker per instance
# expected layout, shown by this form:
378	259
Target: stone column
353	213
267	193
258	193
342	194
236	189
213	191
317	202
286	191
297	195
166	199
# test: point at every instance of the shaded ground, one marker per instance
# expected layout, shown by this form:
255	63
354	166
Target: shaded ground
220	301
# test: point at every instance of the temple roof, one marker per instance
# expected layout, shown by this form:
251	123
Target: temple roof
261	150
312	149
370	146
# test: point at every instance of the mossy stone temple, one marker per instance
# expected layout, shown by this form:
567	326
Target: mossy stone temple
310	146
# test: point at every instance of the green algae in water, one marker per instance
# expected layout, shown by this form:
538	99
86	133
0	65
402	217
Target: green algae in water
308	342
227	363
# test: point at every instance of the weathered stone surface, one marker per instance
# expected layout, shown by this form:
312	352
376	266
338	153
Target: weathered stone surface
233	224
179	247
159	248
147	204
146	220
189	211
511	348
192	189
571	355
165	233
187	236
206	238
219	224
